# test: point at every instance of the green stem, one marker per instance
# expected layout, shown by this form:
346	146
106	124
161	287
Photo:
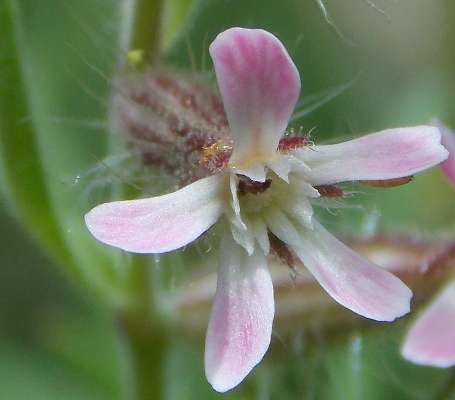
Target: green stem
142	325
142	332
145	355
142	27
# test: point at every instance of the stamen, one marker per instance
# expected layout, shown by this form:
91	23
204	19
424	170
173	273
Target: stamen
282	251
246	185
329	191
389	182
294	140
216	155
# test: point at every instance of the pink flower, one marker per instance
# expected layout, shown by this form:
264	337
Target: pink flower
263	190
431	338
448	141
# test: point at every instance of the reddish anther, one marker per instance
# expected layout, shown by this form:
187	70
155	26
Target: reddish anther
246	185
329	191
293	142
388	183
281	250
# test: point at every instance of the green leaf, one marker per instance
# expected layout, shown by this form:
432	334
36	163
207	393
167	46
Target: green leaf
34	375
53	94
22	176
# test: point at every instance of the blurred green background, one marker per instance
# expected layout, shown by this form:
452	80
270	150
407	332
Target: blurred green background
57	335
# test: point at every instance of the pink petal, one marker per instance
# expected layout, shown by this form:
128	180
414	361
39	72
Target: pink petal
393	153
240	325
448	141
353	281
159	224
431	340
259	85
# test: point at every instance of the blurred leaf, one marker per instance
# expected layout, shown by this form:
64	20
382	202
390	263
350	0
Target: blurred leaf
52	127
23	180
84	341
49	324
30	374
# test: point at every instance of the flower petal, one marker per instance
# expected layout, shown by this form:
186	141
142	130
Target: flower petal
353	281
293	200
279	224
240	325
448	141
281	165
244	238
235	217
159	224
259	85
431	340
260	232
393	153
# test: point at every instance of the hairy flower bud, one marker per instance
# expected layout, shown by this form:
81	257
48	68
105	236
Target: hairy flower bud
171	120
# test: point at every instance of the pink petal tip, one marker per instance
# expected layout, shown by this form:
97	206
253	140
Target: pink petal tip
158	224
353	281
240	324
448	141
259	85
389	154
431	339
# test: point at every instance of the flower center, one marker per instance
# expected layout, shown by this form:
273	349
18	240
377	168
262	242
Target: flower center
253	195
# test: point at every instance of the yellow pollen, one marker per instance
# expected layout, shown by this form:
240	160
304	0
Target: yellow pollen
135	57
211	151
